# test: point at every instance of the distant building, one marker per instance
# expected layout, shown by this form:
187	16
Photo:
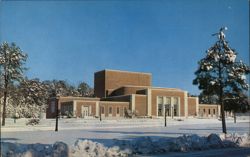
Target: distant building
121	92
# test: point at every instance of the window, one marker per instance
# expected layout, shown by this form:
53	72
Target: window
175	110
176	104
125	110
168	109
160	100
110	110
160	110
208	111
117	110
160	106
214	111
175	101
204	110
168	101
53	104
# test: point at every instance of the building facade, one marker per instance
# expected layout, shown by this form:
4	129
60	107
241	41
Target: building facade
121	92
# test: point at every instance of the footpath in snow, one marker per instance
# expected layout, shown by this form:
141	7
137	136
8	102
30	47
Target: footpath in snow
75	124
128	137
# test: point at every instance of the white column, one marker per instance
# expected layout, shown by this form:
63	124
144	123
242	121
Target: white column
185	104
74	108
172	107
179	106
132	102
149	102
197	107
97	108
157	106
219	110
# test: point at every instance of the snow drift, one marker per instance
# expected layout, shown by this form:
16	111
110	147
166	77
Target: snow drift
123	148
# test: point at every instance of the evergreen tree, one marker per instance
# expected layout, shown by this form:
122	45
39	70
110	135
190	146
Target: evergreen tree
12	60
85	90
236	102
220	74
34	95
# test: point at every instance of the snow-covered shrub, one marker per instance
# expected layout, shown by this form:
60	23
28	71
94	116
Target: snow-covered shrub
33	121
60	149
93	149
23	150
236	139
214	141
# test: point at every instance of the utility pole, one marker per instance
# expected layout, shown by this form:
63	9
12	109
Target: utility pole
57	113
165	116
100	113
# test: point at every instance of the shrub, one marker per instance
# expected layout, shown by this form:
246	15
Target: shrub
33	121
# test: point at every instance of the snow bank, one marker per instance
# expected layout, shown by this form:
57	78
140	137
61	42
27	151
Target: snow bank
123	148
94	149
58	149
185	143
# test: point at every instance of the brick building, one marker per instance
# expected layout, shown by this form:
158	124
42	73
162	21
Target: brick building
118	92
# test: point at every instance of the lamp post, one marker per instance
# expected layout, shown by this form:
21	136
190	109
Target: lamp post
165	116
172	112
100	113
57	112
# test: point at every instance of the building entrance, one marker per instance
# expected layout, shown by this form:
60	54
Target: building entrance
85	111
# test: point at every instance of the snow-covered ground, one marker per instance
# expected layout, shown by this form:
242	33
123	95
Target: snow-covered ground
138	135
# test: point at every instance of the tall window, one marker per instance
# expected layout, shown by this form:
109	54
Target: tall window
52	104
168	106
117	110
160	106
110	110
176	106
208	111
214	111
204	110
102	109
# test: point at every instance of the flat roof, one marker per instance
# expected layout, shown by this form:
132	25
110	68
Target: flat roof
164	88
78	98
209	105
124	71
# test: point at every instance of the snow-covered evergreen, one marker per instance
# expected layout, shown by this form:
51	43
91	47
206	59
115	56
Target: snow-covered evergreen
221	74
12	61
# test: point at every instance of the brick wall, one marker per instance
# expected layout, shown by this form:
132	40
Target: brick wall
80	104
141	105
99	84
192	106
204	110
108	80
127	90
169	93
114	106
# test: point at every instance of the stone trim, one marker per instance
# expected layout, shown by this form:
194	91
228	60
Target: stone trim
197	107
149	102
186	104
97	109
132	100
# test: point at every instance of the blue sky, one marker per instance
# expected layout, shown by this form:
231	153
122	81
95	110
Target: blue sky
70	40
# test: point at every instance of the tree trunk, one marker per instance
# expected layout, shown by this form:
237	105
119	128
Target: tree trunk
234	117
4	107
224	129
5	94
